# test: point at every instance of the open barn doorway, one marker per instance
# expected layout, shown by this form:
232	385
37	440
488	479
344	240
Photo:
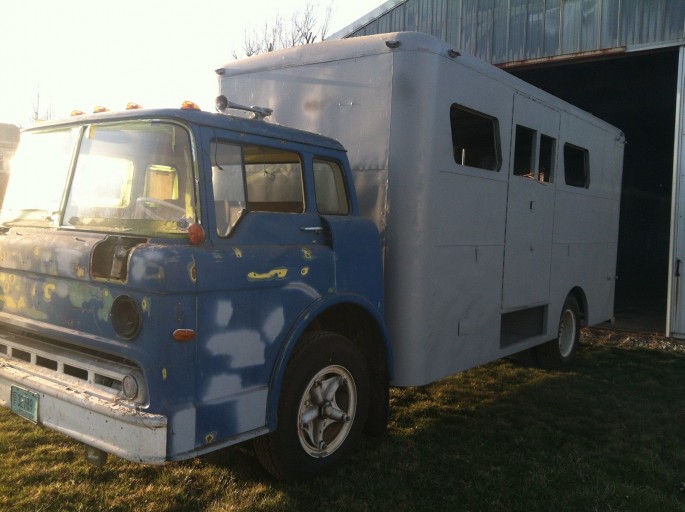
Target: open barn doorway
636	92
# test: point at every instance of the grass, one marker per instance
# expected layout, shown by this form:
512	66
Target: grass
607	435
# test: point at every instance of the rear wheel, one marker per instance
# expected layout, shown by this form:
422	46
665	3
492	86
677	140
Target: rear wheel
322	409
557	353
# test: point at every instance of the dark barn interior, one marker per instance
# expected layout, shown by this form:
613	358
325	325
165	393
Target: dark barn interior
636	93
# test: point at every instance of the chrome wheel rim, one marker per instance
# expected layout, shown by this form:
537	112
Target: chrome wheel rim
567	333
326	411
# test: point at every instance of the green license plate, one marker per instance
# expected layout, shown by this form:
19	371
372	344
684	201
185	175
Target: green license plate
24	403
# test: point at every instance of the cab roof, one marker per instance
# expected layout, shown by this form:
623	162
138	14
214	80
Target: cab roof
200	118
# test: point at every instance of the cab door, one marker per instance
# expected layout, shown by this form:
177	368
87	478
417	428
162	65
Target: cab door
530	205
268	261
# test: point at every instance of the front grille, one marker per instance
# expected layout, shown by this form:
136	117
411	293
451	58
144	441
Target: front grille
91	374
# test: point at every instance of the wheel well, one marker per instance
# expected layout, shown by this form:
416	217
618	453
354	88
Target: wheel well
581	299
357	325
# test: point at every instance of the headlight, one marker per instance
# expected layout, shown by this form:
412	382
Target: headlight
126	317
130	387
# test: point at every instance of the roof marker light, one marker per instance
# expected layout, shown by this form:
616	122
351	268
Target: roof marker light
132	105
77	112
99	110
190	105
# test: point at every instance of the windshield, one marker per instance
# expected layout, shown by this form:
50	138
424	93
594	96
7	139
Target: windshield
133	177
39	171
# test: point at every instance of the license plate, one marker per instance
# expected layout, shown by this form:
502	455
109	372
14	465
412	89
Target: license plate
24	403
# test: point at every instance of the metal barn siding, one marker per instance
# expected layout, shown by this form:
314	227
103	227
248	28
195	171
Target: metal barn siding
506	31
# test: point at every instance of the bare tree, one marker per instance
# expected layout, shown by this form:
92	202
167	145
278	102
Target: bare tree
37	114
305	27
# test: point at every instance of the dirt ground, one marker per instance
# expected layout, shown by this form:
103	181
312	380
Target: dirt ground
631	339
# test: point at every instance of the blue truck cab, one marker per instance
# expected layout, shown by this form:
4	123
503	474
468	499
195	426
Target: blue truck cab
176	281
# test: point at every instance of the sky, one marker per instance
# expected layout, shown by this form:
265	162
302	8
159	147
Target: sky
63	55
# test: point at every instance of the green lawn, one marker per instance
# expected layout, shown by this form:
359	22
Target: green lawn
606	435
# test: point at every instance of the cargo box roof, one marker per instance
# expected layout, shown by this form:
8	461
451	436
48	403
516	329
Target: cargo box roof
379	44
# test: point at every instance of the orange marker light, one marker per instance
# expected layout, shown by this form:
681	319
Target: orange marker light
77	112
196	234
190	105
132	105
184	335
100	110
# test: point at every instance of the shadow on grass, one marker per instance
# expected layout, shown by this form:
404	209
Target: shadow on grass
605	435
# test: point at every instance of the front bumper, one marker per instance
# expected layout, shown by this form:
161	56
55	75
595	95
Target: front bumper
105	424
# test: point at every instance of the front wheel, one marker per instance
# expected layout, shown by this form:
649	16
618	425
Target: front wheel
557	353
322	410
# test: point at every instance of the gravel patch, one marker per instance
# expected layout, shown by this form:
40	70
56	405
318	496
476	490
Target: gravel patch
631	340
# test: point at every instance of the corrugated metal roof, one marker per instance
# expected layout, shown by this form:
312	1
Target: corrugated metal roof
503	31
377	14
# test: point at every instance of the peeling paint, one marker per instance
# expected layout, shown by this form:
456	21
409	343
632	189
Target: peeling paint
304	271
274	325
224	313
107	301
80	294
238	253
147	270
62	290
221	386
277	273
48	290
307	253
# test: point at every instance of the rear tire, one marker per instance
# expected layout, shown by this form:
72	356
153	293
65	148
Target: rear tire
322	409
560	352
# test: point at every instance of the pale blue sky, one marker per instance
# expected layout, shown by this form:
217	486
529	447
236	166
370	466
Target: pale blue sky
82	53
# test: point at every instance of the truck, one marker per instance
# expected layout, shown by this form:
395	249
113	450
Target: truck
175	281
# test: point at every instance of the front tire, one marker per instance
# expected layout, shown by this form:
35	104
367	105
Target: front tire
558	353
322	409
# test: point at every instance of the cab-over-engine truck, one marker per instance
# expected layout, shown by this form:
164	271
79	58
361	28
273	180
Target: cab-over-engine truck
176	281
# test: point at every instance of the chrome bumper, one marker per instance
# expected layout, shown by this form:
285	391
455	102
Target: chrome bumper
74	410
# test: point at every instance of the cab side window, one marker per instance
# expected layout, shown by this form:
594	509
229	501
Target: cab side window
274	180
228	185
254	178
329	183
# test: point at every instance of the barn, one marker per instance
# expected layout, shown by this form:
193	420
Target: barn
9	139
623	61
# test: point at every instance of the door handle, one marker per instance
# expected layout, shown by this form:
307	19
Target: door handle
312	229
